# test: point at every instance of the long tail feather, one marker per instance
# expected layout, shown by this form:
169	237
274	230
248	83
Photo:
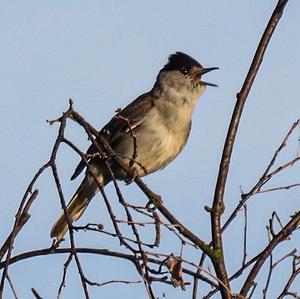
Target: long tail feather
77	205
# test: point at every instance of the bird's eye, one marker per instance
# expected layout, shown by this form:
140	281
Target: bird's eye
184	71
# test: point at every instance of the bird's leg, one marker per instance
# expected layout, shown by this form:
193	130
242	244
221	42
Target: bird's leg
131	176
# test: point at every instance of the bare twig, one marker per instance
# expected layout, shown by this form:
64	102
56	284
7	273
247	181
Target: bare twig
294	274
103	252
13	234
265	289
36	294
228	147
96	228
266	176
24	217
141	259
273	265
277	239
12	287
154	198
100	284
58	141
287	187
63	281
245	236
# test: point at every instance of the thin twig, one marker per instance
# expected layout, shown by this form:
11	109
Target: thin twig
103	252
228	147
277	239
245	236
100	284
12	287
24	217
287	187
36	294
63	281
95	228
57	143
266	176
16	224
294	274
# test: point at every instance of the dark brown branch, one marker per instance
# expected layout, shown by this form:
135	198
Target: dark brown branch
295	273
12	287
105	252
58	141
218	204
142	269
287	187
36	294
277	239
157	223
272	266
245	236
266	176
106	200
139	256
95	227
156	200
24	217
169	227
16	223
264	179
100	284
88	128
63	280
270	272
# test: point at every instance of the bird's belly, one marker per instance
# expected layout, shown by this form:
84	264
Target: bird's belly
159	150
151	147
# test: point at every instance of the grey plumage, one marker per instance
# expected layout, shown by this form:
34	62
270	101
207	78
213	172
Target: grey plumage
160	121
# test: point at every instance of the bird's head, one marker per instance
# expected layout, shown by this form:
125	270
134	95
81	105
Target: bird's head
184	74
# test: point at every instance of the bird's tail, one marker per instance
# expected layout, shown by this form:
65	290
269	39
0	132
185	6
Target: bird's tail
77	205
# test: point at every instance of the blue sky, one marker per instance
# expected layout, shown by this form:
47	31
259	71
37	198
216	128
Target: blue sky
103	54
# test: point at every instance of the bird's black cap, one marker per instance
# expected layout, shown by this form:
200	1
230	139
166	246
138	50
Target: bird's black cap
179	61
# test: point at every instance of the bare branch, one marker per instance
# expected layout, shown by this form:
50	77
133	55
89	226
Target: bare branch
36	294
277	239
12	287
63	281
24	217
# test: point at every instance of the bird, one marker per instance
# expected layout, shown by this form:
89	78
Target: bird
146	135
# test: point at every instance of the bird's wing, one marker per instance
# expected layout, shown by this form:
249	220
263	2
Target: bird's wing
122	123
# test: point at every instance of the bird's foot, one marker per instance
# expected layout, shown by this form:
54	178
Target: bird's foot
154	203
131	176
56	243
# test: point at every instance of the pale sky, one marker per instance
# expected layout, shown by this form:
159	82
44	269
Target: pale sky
103	54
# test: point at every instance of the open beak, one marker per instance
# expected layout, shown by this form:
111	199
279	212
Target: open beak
204	71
